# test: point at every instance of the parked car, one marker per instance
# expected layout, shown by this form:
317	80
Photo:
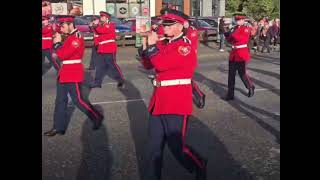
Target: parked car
120	27
213	21
202	26
130	23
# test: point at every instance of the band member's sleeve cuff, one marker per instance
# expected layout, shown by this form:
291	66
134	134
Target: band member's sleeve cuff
152	50
57	45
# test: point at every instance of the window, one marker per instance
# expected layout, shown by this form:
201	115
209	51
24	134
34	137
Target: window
78	21
115	20
204	24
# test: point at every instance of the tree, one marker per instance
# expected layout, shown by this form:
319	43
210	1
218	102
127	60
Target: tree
232	5
254	8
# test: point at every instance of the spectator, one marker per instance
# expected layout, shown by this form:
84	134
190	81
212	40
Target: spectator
254	36
222	30
275	32
266	36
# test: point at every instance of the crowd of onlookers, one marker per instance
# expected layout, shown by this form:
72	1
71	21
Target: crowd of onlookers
265	34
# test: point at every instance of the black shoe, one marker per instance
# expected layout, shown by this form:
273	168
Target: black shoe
94	85
53	132
229	97
97	123
202	102
251	91
121	85
201	173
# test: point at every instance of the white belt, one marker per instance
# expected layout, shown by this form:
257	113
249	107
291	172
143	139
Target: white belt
76	61
171	82
96	35
240	46
46	38
107	41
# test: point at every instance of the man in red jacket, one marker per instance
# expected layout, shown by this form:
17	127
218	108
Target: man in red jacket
47	34
239	57
191	34
70	78
174	61
107	50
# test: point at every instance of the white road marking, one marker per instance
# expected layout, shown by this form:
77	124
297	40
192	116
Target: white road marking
264	89
121	101
261	89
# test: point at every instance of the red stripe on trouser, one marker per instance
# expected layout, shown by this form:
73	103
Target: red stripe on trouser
185	149
245	74
53	59
117	67
197	88
83	103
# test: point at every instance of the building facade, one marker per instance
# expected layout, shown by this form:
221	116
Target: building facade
132	8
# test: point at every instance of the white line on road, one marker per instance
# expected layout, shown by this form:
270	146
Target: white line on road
121	101
261	89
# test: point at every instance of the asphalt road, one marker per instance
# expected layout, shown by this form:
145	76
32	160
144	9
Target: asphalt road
240	138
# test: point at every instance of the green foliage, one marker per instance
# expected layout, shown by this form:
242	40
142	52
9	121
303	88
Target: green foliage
254	8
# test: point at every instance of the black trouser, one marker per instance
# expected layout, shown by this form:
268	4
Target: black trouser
276	41
94	55
266	44
241	68
60	112
171	130
105	63
197	93
48	53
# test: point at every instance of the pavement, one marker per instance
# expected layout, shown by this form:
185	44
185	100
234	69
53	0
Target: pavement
240	138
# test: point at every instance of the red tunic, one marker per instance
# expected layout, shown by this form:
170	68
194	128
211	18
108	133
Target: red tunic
240	36
107	38
173	60
47	33
72	49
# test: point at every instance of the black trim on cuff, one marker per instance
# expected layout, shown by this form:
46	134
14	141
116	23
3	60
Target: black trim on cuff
57	45
151	50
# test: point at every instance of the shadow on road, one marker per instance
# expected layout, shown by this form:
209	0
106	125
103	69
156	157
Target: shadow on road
258	82
238	104
266	85
269	73
138	119
96	157
45	68
221	164
266	59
